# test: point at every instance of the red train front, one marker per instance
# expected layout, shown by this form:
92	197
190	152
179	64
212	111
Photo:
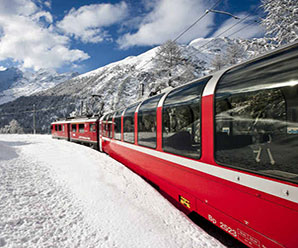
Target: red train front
82	130
224	146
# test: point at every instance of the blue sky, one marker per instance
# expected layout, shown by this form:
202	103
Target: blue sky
82	35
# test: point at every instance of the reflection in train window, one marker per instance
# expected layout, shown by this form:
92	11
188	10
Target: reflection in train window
81	128
74	127
129	123
147	122
92	128
181	120
110	125
106	126
256	117
117	125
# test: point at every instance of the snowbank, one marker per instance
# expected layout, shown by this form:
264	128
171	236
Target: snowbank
59	194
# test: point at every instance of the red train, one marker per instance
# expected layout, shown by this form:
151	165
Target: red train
81	130
224	146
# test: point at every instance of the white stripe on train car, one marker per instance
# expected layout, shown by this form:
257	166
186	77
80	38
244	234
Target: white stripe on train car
278	189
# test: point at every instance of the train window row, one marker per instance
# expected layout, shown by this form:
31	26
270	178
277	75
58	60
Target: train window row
256	117
180	125
81	128
58	127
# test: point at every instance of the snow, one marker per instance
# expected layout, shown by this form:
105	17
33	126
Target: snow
17	83
54	193
142	61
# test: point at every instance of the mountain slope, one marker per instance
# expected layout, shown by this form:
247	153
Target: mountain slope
118	83
15	83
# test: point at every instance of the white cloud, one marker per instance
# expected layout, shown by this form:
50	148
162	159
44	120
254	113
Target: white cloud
88	21
48	4
241	30
17	7
47	15
167	20
25	40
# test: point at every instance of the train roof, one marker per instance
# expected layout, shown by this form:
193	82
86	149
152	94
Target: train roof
216	75
78	119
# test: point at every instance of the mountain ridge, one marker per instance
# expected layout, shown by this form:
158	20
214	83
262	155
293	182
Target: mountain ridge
15	83
118	83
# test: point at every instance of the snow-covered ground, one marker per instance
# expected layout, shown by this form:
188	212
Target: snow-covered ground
55	193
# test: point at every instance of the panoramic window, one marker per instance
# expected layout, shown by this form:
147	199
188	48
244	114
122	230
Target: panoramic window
256	117
105	126
110	126
181	120
117	125
147	122
129	124
74	127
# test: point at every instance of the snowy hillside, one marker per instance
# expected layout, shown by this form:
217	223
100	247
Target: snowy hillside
15	83
118	83
59	194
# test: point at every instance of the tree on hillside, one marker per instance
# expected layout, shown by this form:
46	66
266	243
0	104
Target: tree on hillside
218	62
172	68
233	55
281	22
168	56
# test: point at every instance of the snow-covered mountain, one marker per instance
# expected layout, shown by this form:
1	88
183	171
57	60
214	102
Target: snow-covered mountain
15	83
118	84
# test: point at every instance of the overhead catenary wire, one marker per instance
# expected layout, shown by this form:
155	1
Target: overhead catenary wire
175	39
199	19
226	30
186	30
178	37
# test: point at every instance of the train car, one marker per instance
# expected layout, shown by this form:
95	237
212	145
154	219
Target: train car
60	129
224	146
84	130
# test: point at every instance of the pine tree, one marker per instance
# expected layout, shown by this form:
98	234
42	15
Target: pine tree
234	54
218	62
281	22
168	56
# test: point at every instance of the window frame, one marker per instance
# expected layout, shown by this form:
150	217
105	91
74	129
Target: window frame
81	130
74	130
116	115
229	166
105	125
136	105
110	126
138	109
204	79
91	129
